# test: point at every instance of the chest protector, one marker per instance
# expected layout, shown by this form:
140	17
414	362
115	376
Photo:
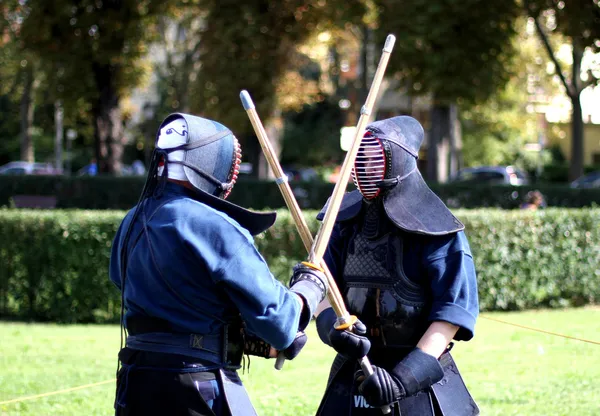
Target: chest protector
393	307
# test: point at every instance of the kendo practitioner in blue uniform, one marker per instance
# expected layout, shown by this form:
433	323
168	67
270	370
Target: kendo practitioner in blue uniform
405	269
196	293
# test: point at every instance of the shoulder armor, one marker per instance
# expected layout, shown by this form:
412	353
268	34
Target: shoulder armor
350	207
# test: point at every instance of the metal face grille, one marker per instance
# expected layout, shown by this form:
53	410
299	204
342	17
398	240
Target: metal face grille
369	166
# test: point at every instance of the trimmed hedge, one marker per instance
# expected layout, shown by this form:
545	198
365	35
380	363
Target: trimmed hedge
109	192
511	197
54	263
529	259
113	193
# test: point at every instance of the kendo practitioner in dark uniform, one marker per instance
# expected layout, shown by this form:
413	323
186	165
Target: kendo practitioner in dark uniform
196	293
405	269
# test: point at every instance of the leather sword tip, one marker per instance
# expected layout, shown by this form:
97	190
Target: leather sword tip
246	100
389	43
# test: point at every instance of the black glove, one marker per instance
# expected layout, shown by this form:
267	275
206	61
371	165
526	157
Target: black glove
417	371
253	345
296	346
311	284
352	344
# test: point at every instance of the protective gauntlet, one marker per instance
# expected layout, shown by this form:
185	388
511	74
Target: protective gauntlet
311	284
352	344
253	345
417	371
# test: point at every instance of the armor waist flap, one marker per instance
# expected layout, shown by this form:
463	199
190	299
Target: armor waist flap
154	334
393	307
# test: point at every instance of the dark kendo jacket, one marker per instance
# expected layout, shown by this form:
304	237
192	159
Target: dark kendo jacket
397	283
198	269
194	280
432	277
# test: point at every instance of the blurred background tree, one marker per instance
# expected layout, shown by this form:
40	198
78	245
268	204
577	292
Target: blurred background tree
92	50
254	46
496	131
579	22
20	78
456	52
111	71
9	83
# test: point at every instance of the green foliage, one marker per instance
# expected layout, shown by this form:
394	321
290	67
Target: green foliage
22	66
83	37
10	60
559	171
556	172
55	266
9	130
495	132
250	46
511	197
579	22
108	192
576	19
312	135
449	48
86	192
91	55
531	259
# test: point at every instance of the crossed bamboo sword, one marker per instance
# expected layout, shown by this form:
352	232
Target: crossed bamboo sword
316	248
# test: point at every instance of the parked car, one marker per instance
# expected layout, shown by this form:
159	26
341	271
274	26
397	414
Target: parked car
591	180
503	175
90	169
28	168
137	168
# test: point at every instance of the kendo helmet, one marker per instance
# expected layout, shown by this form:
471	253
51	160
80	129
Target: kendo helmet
385	160
200	151
386	171
206	154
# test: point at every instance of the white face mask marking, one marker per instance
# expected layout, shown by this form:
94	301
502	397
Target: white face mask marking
171	135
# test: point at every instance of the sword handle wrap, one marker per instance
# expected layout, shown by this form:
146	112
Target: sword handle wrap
281	359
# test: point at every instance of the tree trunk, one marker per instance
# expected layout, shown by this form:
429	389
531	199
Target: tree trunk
576	168
27	109
108	124
577	143
274	129
455	142
58	136
438	147
366	63
187	71
252	152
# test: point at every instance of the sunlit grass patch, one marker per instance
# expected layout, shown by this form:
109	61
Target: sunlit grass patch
509	370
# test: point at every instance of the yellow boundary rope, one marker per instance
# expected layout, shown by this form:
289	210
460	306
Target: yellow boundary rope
37	396
540	330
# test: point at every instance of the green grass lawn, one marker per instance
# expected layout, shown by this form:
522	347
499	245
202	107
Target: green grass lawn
510	371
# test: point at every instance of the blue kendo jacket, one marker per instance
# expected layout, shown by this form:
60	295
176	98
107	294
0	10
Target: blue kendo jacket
442	264
198	269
